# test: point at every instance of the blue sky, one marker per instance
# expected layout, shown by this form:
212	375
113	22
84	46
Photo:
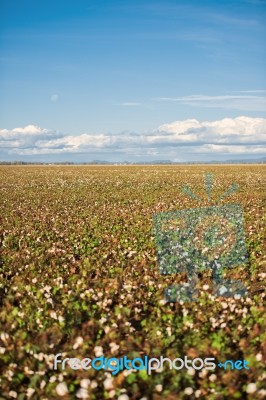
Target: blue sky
115	70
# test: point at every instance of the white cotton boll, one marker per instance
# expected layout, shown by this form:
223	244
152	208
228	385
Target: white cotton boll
251	388
108	383
185	312
53	315
98	351
197	393
191	371
222	290
114	347
212	377
169	331
43	384
4	336
203	373
30	392
61	389
188	391
82	394
84	383
123	397
78	342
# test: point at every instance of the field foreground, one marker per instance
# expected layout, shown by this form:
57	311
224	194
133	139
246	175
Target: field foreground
79	276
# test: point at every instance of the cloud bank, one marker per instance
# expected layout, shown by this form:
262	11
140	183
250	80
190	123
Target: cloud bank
241	135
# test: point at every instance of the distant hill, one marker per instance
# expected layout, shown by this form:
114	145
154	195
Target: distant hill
261	160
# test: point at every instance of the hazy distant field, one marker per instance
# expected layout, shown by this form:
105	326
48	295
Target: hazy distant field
78	260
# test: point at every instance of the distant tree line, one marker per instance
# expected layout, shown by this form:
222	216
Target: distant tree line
259	161
34	163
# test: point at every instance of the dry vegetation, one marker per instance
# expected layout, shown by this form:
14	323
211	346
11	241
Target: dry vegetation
78	273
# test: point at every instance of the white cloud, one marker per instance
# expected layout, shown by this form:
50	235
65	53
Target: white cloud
221	149
130	104
252	91
227	130
26	137
246	102
28	130
76	143
34	140
241	135
134	104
